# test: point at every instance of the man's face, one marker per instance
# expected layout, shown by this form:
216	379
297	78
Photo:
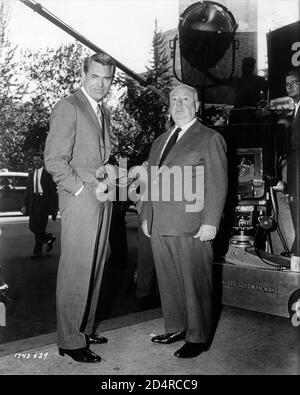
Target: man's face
37	162
183	105
97	81
292	85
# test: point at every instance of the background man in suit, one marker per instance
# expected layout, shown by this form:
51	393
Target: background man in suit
40	201
181	233
293	162
77	148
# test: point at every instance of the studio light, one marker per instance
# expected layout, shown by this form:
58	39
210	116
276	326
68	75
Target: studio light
206	30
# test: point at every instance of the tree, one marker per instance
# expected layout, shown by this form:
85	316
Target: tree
12	91
53	74
142	104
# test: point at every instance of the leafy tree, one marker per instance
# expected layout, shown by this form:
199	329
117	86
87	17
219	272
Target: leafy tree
141	103
11	92
128	139
53	74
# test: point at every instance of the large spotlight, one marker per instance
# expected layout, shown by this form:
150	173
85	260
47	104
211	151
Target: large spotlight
206	30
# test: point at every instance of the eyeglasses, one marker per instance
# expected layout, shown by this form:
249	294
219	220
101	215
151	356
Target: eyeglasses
292	83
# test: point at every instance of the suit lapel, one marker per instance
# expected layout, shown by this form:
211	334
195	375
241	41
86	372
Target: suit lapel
87	109
296	118
105	146
159	148
186	138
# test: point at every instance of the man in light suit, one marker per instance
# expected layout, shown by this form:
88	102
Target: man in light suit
293	163
183	224
40	201
77	148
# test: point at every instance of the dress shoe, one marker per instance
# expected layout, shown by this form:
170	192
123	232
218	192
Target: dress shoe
168	338
84	355
50	243
96	339
191	350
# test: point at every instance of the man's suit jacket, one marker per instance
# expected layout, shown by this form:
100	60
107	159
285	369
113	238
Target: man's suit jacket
49	192
200	157
295	132
293	160
75	148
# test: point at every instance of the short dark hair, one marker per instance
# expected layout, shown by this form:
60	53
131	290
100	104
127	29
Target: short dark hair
294	73
39	154
101	58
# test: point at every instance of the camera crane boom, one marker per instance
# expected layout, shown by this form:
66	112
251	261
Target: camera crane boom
58	22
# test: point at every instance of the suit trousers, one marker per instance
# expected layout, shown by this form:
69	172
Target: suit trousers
184	272
146	276
84	241
38	222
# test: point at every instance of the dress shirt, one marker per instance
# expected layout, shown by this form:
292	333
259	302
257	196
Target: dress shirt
94	105
39	186
181	133
296	108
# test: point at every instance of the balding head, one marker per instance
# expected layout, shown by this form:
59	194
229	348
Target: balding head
184	104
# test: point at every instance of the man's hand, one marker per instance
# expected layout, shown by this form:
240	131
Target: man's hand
101	191
145	228
23	210
206	233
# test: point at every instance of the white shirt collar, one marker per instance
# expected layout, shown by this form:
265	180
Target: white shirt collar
297	107
181	133
184	128
92	102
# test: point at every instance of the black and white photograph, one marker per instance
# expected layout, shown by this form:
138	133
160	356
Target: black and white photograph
149	190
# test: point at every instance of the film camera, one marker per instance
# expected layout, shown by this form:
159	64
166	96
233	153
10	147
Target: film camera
252	199
254	151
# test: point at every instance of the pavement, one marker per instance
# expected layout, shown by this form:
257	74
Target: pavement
245	343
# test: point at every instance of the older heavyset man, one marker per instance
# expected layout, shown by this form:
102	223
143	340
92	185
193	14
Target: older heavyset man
77	145
181	230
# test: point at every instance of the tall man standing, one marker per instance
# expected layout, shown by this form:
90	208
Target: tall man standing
181	229
40	201
77	146
293	163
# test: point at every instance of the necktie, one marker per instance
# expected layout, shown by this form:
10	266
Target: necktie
170	144
100	116
36	185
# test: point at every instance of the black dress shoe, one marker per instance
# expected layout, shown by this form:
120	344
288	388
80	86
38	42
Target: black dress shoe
50	243
96	339
191	350
168	338
84	355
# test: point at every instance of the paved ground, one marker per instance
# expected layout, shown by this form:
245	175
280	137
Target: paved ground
32	283
245	343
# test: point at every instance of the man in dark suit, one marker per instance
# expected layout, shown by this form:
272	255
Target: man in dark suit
40	201
77	149
186	194
293	163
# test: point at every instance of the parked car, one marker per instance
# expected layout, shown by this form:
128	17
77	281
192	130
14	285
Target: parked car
12	189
